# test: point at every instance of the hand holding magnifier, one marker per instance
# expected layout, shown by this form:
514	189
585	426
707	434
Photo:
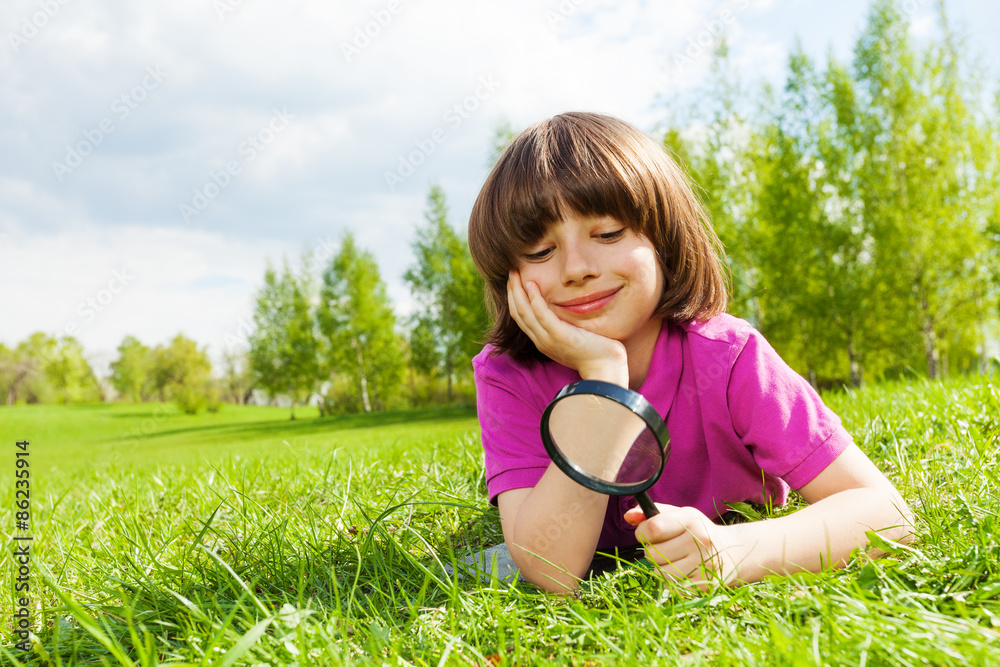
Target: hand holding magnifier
607	438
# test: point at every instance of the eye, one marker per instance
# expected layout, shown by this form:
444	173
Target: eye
538	256
612	236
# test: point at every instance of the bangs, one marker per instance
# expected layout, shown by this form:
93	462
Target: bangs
555	171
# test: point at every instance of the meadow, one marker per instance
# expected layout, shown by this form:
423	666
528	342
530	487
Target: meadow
243	538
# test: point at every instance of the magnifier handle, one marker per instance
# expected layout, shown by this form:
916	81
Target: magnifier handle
648	508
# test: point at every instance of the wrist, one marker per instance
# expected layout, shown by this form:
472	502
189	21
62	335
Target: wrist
615	372
759	550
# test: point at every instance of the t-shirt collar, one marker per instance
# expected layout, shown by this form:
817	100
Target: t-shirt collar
665	367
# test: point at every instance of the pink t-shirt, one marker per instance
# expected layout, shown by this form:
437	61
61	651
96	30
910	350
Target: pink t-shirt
743	425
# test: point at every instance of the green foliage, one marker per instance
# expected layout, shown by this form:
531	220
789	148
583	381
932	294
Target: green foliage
181	373
447	329
503	135
70	375
131	372
237	377
44	369
358	323
919	140
284	348
857	206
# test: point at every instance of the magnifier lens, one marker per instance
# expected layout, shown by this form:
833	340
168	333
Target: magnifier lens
605	440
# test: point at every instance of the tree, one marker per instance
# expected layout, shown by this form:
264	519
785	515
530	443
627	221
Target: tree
181	372
503	135
44	369
921	172
857	208
8	373
17	369
131	372
451	318
33	357
357	320
71	377
723	168
813	271
284	346
237	377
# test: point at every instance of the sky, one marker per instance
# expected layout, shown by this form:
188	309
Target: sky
156	157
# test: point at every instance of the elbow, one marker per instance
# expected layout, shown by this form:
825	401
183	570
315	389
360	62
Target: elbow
555	582
542	572
902	527
906	528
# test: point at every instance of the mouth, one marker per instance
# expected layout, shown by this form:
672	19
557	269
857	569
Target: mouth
589	303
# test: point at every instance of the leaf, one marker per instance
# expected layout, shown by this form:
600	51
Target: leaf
244	643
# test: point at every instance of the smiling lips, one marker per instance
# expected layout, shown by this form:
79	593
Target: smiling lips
589	303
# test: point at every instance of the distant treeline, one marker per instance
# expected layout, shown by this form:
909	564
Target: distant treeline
329	337
858	205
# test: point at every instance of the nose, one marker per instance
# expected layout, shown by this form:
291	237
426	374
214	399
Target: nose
579	263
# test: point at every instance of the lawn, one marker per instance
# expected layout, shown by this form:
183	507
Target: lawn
244	538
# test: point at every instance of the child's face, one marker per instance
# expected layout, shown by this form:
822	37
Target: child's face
597	274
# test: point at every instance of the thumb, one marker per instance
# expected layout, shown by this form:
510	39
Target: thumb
635	516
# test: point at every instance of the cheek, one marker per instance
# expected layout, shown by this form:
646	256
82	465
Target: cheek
646	270
536	274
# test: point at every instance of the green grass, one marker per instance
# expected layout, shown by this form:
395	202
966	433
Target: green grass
75	436
247	539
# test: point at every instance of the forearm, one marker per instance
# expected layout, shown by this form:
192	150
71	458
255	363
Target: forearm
555	532
821	535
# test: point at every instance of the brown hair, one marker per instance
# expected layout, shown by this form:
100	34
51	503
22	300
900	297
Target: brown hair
593	165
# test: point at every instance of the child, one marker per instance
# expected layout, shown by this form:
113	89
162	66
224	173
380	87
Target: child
600	264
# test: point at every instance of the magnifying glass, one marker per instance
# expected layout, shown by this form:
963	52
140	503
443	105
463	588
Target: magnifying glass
607	438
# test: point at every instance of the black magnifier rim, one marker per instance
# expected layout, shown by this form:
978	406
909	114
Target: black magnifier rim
631	400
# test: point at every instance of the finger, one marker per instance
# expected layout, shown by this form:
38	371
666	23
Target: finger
677	569
635	516
541	324
681	564
520	309
670	523
546	318
671	551
532	300
688	569
549	323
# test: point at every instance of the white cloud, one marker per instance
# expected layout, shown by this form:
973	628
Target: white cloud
325	173
101	285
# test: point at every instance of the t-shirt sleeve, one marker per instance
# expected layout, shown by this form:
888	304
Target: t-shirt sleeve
780	418
509	419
